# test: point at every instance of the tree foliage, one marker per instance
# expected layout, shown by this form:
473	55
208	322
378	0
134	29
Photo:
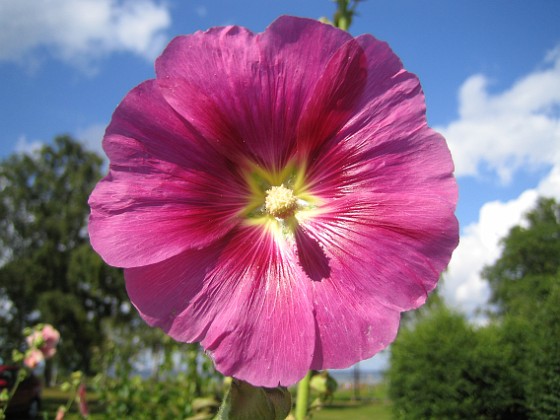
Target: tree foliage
526	272
48	271
421	386
525	283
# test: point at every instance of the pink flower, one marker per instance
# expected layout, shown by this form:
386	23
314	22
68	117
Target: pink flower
34	339
277	197
32	358
44	338
51	337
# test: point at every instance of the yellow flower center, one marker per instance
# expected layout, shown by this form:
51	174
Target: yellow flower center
280	202
278	199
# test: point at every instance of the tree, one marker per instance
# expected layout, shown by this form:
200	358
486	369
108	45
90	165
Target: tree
428	361
524	275
48	272
544	377
525	284
442	367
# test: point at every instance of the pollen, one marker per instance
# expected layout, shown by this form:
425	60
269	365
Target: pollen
280	202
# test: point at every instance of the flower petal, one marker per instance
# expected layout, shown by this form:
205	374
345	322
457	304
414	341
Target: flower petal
162	195
387	183
258	84
350	326
392	104
145	131
388	214
246	300
375	248
332	102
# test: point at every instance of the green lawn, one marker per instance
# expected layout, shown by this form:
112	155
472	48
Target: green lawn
355	411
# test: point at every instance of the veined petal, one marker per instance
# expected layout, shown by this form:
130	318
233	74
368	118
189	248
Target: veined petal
288	43
145	131
388	216
258	85
138	219
375	248
331	103
350	325
392	105
162	195
163	291
246	300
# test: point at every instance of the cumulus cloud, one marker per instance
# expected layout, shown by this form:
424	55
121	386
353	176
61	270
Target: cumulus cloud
80	31
504	132
91	137
514	129
26	146
480	245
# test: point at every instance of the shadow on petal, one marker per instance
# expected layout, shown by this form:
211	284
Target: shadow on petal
312	258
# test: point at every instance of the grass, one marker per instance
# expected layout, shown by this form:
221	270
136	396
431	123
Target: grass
356	411
372	404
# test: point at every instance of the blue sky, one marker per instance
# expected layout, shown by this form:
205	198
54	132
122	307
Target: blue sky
490	71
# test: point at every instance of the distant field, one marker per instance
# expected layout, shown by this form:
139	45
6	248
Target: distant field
372	404
357	411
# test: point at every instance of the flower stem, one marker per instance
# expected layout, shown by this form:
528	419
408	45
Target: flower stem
345	12
20	376
302	400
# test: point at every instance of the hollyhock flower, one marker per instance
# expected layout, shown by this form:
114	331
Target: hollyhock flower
277	197
45	339
33	358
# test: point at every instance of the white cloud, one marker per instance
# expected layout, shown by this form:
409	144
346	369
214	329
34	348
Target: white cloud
28	147
514	129
504	132
480	246
91	136
80	31
480	243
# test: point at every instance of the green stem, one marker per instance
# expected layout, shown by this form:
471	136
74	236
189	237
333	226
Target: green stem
343	23
20	376
302	400
346	9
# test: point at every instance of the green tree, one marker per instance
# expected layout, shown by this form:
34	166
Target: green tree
428	364
544	377
527	270
48	271
525	284
442	367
